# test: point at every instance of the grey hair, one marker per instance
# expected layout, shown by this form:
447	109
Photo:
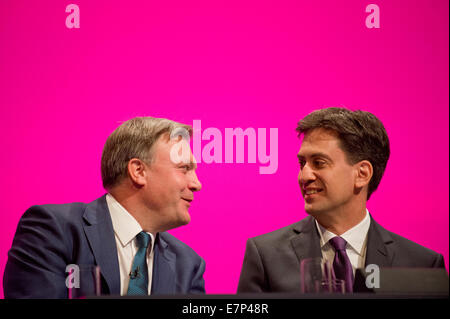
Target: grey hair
133	139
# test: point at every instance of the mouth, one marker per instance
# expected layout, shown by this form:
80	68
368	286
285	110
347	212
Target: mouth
188	200
311	191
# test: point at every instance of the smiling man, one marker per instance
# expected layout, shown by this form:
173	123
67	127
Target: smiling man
342	159
122	232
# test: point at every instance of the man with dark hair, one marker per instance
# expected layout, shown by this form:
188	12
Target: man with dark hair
123	232
342	159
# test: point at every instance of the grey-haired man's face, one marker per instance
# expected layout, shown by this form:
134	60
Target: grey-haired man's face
170	186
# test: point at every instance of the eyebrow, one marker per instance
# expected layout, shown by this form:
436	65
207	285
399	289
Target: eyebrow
317	154
192	165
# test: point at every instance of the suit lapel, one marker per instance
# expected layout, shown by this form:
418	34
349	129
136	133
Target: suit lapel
100	234
379	251
163	280
306	243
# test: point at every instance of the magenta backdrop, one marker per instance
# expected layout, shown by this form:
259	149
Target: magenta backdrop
229	64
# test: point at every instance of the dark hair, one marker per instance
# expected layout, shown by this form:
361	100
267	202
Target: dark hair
362	137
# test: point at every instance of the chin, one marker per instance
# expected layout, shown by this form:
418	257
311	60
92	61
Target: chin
184	219
311	210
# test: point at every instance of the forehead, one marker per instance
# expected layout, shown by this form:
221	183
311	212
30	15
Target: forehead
165	148
319	141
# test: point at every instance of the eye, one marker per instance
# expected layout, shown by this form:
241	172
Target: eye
302	163
319	163
185	168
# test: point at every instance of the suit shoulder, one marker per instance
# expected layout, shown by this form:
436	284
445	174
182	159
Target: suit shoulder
408	246
413	246
279	235
59	211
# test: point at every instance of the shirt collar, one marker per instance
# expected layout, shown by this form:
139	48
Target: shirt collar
355	237
124	224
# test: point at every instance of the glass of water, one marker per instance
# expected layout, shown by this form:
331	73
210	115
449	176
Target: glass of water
317	276
83	281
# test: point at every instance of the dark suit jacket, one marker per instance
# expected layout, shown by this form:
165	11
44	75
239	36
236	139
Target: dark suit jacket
50	237
272	261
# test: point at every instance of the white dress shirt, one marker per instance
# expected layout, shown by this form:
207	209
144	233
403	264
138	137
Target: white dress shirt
356	239
125	229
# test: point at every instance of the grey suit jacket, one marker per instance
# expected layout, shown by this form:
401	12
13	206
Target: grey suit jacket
272	261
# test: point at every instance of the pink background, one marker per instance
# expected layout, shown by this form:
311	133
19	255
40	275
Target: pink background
229	64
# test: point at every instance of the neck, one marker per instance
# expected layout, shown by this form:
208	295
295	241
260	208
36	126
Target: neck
130	200
340	220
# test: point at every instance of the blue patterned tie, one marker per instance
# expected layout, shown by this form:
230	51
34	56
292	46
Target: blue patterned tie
341	264
139	272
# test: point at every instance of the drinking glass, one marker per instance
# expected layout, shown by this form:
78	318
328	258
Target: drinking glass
336	286
317	276
83	281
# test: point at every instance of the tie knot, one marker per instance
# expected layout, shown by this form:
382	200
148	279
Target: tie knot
142	239
338	243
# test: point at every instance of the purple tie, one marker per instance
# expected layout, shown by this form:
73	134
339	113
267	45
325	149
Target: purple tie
341	264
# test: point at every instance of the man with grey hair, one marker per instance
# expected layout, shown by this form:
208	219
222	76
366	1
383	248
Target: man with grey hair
122	232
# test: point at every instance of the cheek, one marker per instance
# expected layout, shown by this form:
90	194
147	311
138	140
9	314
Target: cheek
345	182
338	183
179	181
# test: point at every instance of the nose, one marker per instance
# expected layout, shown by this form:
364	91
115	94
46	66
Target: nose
306	175
194	183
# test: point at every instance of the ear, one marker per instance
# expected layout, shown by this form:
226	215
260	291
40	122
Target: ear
137	172
364	173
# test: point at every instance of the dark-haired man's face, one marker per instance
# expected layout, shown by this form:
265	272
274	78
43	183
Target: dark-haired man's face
326	178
